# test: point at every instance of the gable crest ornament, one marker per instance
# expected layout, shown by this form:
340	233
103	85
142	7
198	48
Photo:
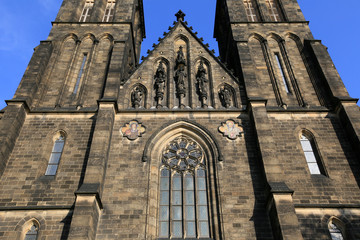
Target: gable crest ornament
132	130
231	129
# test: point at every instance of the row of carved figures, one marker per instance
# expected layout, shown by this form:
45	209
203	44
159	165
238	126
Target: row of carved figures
225	94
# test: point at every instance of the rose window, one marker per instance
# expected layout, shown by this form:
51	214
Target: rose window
183	154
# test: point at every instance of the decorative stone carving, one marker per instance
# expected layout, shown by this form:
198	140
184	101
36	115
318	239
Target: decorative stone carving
180	77
225	96
202	84
231	129
136	97
160	79
133	130
183	154
180	59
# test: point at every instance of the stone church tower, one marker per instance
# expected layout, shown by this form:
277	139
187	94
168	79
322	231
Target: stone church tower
260	143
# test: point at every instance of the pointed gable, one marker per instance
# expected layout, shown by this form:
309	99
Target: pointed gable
201	81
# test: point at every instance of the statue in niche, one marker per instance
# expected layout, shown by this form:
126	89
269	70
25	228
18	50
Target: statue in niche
160	78
180	76
136	97
225	96
180	59
202	83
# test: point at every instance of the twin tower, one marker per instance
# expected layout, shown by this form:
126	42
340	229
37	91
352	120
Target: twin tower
261	142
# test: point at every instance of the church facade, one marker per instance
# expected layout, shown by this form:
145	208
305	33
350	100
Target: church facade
262	142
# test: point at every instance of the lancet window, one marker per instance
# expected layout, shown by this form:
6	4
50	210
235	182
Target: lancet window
55	156
311	155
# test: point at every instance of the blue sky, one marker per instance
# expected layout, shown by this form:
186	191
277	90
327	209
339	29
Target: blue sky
24	23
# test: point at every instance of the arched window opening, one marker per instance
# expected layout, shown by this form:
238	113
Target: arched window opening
109	11
282	73
32	233
274	10
250	8
81	71
311	155
55	156
183	208
87	10
335	230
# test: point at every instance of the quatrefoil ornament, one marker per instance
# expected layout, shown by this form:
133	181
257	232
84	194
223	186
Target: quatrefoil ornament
231	129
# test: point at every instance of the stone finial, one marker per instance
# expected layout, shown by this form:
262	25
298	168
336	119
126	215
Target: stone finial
180	15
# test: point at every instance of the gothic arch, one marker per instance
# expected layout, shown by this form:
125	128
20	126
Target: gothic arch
296	39
256	36
70	36
195	128
88	35
25	223
153	158
274	36
107	36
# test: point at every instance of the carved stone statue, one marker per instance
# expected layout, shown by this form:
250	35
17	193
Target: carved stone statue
160	79
180	59
225	96
180	77
202	83
136	97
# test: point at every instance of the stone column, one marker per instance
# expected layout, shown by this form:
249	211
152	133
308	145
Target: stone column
88	198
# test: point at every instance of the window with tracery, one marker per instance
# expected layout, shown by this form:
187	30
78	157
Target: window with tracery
311	155
250	10
86	12
335	231
274	10
32	233
109	11
55	156
183	208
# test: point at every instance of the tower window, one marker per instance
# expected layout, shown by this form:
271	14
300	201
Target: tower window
32	233
311	155
250	10
87	10
335	229
274	10
109	11
282	73
76	88
55	156
183	208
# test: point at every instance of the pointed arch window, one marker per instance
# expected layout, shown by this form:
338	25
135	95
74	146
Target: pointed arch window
250	9
32	233
109	11
55	156
311	154
335	229
183	208
80	74
274	10
86	12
